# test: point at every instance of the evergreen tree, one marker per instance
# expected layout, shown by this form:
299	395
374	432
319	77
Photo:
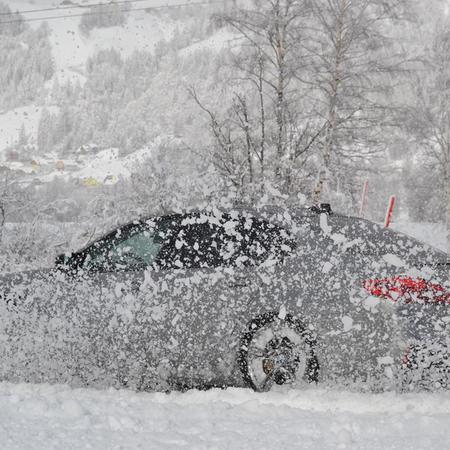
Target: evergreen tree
45	134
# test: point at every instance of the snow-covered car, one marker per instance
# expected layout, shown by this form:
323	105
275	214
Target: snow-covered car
233	298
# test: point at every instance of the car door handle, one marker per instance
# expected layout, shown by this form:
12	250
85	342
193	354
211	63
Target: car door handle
239	282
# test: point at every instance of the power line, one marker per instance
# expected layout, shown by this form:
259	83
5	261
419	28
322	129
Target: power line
96	13
75	6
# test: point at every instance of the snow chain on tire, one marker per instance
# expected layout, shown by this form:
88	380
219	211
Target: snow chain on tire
311	373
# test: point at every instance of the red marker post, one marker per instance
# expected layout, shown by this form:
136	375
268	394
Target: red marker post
389	211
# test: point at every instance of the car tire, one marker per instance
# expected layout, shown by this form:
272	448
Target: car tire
285	352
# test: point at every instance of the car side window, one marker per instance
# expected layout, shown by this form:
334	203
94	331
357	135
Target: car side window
198	245
204	241
264	241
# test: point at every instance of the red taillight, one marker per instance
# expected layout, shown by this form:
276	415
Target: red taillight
407	290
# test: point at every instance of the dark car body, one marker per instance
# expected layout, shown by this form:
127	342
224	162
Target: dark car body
180	311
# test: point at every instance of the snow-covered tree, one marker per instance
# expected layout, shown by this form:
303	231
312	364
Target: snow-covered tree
354	64
103	16
268	129
45	131
430	114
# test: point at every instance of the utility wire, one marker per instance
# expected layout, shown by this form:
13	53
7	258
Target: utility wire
96	13
75	6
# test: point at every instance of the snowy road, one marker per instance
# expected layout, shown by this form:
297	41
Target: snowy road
57	417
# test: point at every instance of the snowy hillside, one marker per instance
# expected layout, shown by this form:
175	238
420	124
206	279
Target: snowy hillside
143	31
55	417
71	49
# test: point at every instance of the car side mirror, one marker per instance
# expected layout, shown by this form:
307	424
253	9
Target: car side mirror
61	260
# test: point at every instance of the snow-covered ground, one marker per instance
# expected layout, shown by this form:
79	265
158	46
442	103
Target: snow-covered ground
57	417
104	167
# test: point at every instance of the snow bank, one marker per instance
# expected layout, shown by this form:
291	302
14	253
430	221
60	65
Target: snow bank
53	417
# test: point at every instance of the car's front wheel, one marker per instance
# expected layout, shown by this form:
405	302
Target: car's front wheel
275	350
